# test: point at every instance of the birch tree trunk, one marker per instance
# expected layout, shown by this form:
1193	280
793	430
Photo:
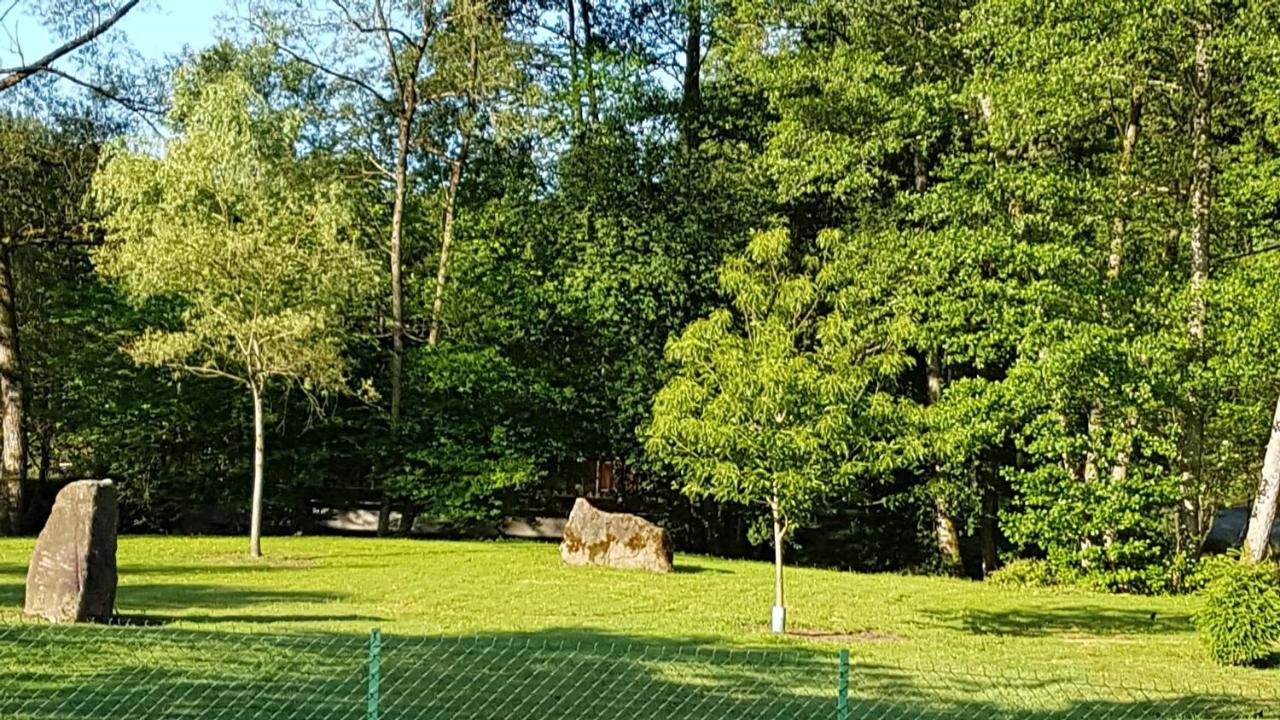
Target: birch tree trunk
13	458
944	525
1115	256
778	624
1263	515
259	451
1191	449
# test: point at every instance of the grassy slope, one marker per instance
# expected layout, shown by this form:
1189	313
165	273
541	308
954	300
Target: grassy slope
520	590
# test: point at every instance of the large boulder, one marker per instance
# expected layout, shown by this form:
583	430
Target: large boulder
619	540
72	575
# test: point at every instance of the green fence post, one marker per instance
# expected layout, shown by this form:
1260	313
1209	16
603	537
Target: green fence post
842	688
375	673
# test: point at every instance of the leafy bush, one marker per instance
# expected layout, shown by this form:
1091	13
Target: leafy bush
1240	618
1026	573
1209	568
1108	536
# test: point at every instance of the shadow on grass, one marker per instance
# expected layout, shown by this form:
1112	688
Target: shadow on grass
60	673
204	604
1092	620
679	569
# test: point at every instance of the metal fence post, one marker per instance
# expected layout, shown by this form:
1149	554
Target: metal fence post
842	687
375	673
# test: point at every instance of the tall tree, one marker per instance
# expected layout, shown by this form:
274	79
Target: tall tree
433	68
249	240
772	401
44	175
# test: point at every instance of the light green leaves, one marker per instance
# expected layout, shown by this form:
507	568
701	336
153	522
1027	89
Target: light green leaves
249	239
763	406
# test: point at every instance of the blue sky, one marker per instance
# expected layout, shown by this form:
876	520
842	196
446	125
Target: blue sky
163	27
156	28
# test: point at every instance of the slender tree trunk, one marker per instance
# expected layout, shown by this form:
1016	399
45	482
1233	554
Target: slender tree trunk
987	529
446	240
1124	169
945	530
13	458
691	98
573	65
1115	256
779	536
408	517
384	515
403	133
1192	446
1263	515
397	289
46	454
589	54
259	451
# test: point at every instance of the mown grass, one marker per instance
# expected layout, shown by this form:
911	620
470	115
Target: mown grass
502	629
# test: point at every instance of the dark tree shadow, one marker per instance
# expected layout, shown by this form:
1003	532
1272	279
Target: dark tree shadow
180	596
213	605
679	569
60	673
1092	620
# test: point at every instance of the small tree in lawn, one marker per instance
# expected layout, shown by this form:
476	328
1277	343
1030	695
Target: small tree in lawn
770	400
246	238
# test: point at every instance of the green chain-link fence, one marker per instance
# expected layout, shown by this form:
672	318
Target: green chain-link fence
49	673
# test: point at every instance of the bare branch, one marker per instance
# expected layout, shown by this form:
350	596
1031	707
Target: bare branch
332	73
136	108
13	76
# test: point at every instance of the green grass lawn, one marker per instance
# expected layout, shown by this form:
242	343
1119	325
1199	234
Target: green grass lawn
502	629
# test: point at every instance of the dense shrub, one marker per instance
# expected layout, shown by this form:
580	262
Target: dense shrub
1027	573
1240	618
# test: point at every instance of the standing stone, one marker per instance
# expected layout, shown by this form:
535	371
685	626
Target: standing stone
72	575
619	540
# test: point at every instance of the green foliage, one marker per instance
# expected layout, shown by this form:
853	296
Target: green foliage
248	239
1239	620
774	402
1027	573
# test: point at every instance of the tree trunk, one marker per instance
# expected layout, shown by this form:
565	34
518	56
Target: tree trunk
446	239
1124	166
948	537
397	290
259	450
1115	255
408	517
1093	428
13	458
987	530
573	65
778	624
944	525
1263	516
589	54
384	515
401	172
46	454
1191	448
691	98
